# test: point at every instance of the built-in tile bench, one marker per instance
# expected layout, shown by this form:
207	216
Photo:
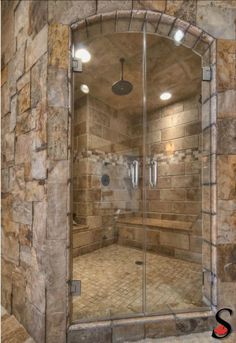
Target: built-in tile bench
86	239
168	237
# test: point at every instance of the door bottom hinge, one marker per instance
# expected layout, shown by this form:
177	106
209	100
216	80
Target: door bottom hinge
75	287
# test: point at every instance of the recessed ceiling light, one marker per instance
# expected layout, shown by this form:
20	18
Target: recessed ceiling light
84	89
178	36
83	54
165	96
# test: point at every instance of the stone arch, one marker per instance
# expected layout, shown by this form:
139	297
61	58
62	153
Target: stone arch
204	45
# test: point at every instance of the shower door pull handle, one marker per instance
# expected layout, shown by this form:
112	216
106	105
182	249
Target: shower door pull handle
134	174
153	170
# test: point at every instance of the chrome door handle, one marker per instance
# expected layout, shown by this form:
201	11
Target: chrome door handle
134	173
153	171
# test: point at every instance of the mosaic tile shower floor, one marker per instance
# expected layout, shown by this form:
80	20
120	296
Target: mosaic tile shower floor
112	283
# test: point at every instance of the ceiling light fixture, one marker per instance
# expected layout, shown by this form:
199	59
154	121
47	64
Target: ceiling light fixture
84	88
178	36
84	55
165	96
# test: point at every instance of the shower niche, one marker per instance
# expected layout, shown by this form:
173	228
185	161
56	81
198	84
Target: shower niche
137	170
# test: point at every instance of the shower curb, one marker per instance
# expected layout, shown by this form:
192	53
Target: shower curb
122	330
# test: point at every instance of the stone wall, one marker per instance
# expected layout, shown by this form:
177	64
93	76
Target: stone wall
35	154
101	147
174	140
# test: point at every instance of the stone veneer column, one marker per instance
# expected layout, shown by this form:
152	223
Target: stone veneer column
226	175
35	158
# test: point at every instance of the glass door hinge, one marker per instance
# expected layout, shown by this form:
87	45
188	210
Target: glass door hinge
77	66
206	73
75	287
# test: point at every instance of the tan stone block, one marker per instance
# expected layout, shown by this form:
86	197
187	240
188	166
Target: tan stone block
5	99
185	181
23	81
172	239
188	255
196	244
24	99
22	212
39	169
70	11
25	123
57	133
188	207
17	182
4	75
39	223
37	16
35	191
181	9
21	17
173	169
227	104
226	220
25	234
172	194
207	14
13	113
226	50
35	289
226	262
226	143
153	194
58	172
226	170
58	45
10	248
164	182
174	132
35	322
19	64
56	262
38	81
39	114
58	95
159	206
194	194
36	47
8	147
5	180
57	211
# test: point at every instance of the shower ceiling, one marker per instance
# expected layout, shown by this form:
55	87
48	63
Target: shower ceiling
171	68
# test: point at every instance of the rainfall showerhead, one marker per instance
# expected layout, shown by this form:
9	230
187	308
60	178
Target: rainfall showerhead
122	87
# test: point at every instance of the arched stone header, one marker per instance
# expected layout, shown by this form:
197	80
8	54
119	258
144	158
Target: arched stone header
134	21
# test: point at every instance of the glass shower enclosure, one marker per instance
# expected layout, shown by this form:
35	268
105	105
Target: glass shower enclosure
136	174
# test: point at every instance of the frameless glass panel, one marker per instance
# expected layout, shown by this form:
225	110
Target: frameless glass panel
108	235
174	151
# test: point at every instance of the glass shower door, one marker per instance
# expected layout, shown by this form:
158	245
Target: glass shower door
109	176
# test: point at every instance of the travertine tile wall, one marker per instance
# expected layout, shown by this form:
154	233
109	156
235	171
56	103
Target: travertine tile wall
101	147
174	141
36	155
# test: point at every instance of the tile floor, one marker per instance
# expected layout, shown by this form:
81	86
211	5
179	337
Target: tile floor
112	283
